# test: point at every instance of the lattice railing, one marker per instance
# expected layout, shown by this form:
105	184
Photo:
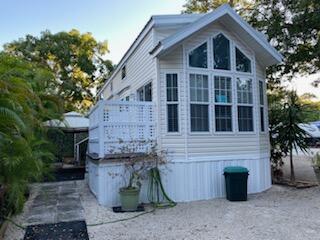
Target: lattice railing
116	124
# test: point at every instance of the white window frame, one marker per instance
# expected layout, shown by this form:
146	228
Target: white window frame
245	104
209	103
231	46
223	104
173	102
235	60
143	86
263	105
195	47
125	68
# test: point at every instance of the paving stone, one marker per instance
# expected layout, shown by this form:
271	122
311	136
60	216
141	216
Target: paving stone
42	218
65	208
70	216
43	209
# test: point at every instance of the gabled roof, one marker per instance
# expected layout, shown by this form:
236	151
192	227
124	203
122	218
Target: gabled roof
267	54
190	24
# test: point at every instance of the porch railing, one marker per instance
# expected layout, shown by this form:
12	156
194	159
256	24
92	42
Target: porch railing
115	124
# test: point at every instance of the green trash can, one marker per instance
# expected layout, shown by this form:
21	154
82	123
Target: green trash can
236	183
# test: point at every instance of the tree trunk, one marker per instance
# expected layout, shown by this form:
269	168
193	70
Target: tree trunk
292	175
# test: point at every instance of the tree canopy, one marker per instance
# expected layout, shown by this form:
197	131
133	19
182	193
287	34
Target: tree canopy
292	27
75	59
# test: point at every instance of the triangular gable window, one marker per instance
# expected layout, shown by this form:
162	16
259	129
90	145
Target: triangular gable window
198	57
221	52
243	63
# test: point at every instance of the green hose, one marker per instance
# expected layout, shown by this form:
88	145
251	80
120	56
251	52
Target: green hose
156	193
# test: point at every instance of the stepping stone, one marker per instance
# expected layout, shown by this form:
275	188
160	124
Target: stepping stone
76	230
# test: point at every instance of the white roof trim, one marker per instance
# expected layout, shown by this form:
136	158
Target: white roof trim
209	18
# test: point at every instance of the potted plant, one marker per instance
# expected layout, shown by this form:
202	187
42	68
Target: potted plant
316	165
136	168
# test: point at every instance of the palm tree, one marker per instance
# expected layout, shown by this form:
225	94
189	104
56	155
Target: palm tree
24	105
289	135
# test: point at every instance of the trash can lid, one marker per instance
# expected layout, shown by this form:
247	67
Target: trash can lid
235	169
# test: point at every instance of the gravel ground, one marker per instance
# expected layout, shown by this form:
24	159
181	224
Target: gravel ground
279	213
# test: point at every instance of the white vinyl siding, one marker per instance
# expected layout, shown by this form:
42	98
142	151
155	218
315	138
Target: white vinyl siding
140	68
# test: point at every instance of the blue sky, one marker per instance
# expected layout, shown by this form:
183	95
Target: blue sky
119	22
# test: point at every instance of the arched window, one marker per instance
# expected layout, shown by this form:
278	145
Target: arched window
221	52
198	57
243	63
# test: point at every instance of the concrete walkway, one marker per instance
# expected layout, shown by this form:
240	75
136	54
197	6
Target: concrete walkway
55	202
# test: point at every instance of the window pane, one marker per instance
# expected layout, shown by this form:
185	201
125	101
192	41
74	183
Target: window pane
199	90
222	89
261	119
148	93
140	94
223	116
245	119
261	93
172	87
243	63
123	72
221	52
244	90
198	57
199	118
172	112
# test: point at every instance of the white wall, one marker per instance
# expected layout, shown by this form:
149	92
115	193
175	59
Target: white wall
190	146
140	69
183	181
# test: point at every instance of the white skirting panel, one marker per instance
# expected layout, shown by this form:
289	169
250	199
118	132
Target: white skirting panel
183	181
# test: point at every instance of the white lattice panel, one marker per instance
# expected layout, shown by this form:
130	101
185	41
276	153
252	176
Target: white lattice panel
113	124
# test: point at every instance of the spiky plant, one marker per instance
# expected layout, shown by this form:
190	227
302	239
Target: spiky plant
286	136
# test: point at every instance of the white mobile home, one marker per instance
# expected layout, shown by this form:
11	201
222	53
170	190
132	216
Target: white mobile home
195	83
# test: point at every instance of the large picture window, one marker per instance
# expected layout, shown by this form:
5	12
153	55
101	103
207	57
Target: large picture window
243	63
221	52
245	104
223	103
144	93
199	103
172	102
198	57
